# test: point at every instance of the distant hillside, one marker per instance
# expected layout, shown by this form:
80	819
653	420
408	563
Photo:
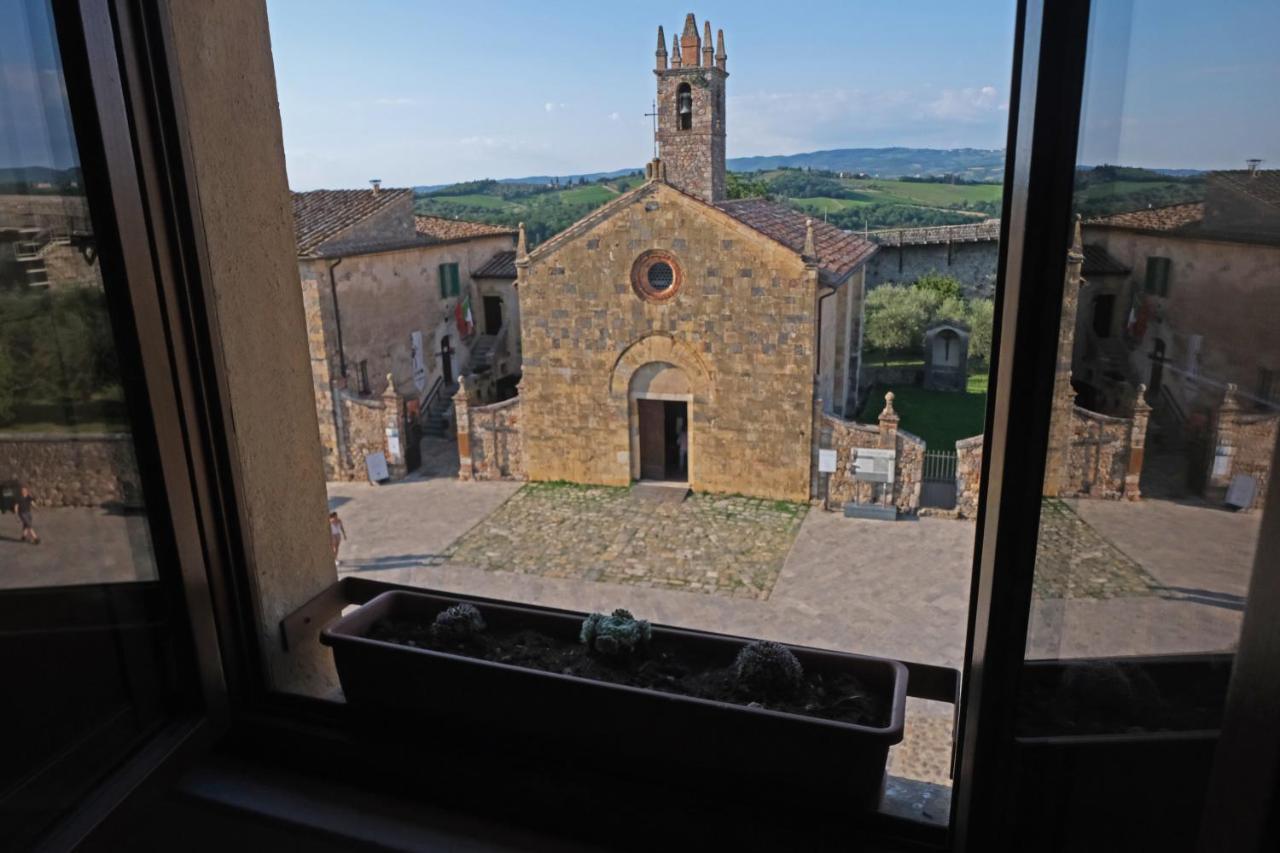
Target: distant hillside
974	164
978	164
38	179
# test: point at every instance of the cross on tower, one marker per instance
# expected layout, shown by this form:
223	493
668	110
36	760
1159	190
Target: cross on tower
654	116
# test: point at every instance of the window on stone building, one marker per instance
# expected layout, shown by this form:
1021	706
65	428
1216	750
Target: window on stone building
1157	278
449	281
684	107
364	376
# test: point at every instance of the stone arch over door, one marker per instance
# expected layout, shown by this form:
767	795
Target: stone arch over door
659	389
666	350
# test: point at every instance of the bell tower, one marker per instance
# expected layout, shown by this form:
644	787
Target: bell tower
691	110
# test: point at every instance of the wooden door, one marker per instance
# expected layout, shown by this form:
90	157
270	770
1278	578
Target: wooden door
653	449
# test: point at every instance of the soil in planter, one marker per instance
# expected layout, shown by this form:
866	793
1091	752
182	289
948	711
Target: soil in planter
666	666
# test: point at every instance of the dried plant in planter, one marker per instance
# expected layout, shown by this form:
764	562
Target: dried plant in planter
767	670
457	624
618	635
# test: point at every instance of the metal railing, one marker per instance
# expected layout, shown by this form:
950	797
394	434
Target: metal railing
940	466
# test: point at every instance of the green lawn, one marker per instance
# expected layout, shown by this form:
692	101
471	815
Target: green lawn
930	195
939	417
101	415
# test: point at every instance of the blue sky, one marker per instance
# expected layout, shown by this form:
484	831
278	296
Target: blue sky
431	92
427	91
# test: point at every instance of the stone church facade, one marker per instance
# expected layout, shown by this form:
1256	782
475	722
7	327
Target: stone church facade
676	335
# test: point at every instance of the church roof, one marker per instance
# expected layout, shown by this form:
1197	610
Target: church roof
839	252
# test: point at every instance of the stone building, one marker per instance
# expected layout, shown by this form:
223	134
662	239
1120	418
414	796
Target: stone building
391	298
1184	299
673	334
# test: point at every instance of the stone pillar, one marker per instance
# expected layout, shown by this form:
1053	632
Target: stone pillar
462	423
889	424
393	446
816	478
1058	455
1137	445
1223	449
889	441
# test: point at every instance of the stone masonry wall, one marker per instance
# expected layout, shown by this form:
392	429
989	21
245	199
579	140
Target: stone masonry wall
73	470
1242	444
494	446
1099	456
972	264
845	437
740	328
968	475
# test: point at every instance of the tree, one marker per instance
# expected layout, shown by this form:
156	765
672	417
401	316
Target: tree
944	285
981	318
742	186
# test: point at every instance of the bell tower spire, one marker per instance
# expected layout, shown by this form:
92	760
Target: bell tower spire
691	110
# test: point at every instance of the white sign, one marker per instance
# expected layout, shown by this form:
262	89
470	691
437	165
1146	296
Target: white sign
873	465
376	465
419	361
826	461
1221	461
393	443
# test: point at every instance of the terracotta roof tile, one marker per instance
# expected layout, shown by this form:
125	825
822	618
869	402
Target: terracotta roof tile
1098	261
501	265
1171	218
448	230
321	214
839	252
1262	185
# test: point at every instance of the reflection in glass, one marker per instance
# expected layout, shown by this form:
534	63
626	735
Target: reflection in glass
68	476
1166	412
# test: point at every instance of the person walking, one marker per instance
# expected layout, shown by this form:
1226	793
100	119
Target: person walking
336	534
22	508
682	441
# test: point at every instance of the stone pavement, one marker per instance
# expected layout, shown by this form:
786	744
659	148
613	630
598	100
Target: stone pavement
708	543
78	545
1194	561
1115	577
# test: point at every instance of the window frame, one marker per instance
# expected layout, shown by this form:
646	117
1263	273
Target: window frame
169	285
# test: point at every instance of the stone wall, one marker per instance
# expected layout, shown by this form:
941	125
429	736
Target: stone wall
490	442
73	470
367	425
1242	444
968	476
741	328
845	437
1098	460
973	264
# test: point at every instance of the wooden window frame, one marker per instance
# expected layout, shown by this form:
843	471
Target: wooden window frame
156	210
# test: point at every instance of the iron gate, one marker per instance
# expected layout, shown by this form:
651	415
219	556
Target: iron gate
938	480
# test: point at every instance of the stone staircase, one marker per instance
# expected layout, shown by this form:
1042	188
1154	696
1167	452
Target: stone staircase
482	353
434	422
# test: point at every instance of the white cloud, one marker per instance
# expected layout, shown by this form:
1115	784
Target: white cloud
551	106
771	122
964	104
614	116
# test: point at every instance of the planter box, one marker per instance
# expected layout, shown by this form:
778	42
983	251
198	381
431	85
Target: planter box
674	739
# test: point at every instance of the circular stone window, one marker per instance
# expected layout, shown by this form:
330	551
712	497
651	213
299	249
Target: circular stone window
656	276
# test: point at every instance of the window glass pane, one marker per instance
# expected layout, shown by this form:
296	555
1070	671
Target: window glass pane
1162	440
86	647
732	393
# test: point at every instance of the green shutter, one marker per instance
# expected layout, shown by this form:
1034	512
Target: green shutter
453	279
441	271
1157	282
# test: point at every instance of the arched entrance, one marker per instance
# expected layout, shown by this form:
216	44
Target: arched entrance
659	403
